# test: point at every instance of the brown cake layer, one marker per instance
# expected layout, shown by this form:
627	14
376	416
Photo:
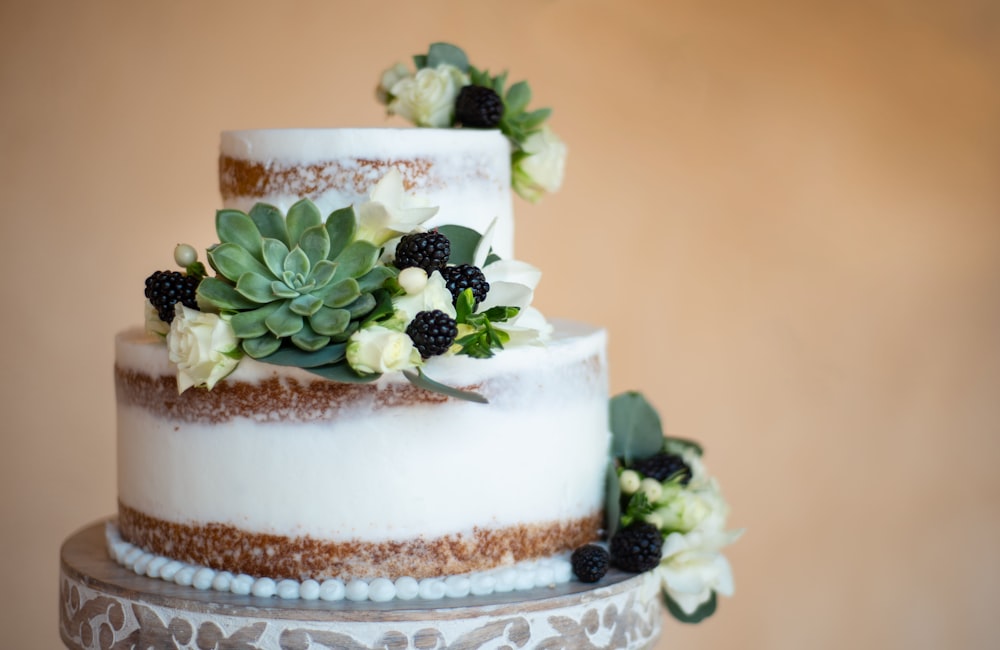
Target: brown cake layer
244	178
227	548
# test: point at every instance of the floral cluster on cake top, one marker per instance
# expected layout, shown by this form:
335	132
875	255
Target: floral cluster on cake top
445	91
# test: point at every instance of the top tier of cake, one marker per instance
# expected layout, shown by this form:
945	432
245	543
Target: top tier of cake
464	172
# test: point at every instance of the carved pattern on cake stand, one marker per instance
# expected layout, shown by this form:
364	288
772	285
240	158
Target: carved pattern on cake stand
102	606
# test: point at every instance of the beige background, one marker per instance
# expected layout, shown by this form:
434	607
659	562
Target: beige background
786	214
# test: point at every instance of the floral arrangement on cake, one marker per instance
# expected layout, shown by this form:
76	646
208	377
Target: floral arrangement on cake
664	513
361	292
445	90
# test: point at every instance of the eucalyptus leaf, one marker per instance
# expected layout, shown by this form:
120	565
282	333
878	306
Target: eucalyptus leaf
223	295
343	373
283	321
315	243
251	324
463	243
329	321
232	261
635	427
302	216
273	251
421	380
292	356
704	610
420	61
356	259
270	222
441	53
235	227
612	500
261	346
341	226
517	98
256	288
309	340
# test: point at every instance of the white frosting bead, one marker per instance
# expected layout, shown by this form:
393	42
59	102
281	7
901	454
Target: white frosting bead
154	566
431	589
381	590
203	578
506	579
241	585
139	566
482	584
222	581
525	580
185	575
131	556
563	571
263	588
456	586
545	576
288	589
170	569
407	588
309	590
356	590
332	590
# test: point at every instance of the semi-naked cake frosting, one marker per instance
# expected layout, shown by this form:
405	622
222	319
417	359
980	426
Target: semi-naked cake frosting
278	472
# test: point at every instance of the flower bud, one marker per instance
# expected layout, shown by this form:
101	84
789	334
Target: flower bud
629	481
652	488
185	255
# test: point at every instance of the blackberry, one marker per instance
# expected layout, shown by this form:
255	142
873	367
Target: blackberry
637	548
479	107
466	276
165	288
426	250
432	332
662	466
590	562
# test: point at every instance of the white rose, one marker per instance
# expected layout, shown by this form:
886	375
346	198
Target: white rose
155	326
428	98
390	78
203	347
683	509
543	168
693	567
427	296
378	349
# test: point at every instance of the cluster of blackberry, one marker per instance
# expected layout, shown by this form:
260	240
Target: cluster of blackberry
164	289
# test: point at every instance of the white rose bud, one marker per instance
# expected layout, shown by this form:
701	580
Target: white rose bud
428	98
203	347
379	349
412	279
433	295
542	170
390	78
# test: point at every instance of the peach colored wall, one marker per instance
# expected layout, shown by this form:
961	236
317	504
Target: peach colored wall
787	215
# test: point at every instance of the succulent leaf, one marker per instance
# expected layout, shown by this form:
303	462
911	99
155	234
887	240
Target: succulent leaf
364	304
293	356
270	222
305	305
301	216
297	262
322	272
340	293
256	288
235	227
315	243
351	328
232	261
518	96
274	253
329	321
356	259
341	226
222	295
250	324
375	278
281	290
261	346
283	321
307	339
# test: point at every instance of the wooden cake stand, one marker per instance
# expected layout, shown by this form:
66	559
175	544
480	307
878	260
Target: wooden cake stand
102	605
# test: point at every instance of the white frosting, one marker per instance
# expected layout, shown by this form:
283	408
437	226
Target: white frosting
466	173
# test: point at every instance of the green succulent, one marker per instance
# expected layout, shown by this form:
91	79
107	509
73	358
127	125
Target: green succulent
294	281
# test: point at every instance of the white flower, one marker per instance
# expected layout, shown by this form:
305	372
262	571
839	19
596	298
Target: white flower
693	567
390	77
428	98
378	349
686	509
203	346
390	211
542	169
154	326
432	293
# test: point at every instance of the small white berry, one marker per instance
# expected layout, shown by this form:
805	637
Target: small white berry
185	255
413	279
652	488
629	481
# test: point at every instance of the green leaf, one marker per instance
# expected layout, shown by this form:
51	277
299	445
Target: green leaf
612	500
704	610
232	261
251	324
297	262
517	97
635	427
421	380
292	356
420	61
341	226
364	304
309	340
223	295
302	216
270	222
322	272
256	288
531	121
305	305
383	307
356	259
282	290
274	252
235	227
283	321
343	373
440	53
351	328
315	243
329	322
261	346
375	278
500	314
465	306
339	293
463	243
